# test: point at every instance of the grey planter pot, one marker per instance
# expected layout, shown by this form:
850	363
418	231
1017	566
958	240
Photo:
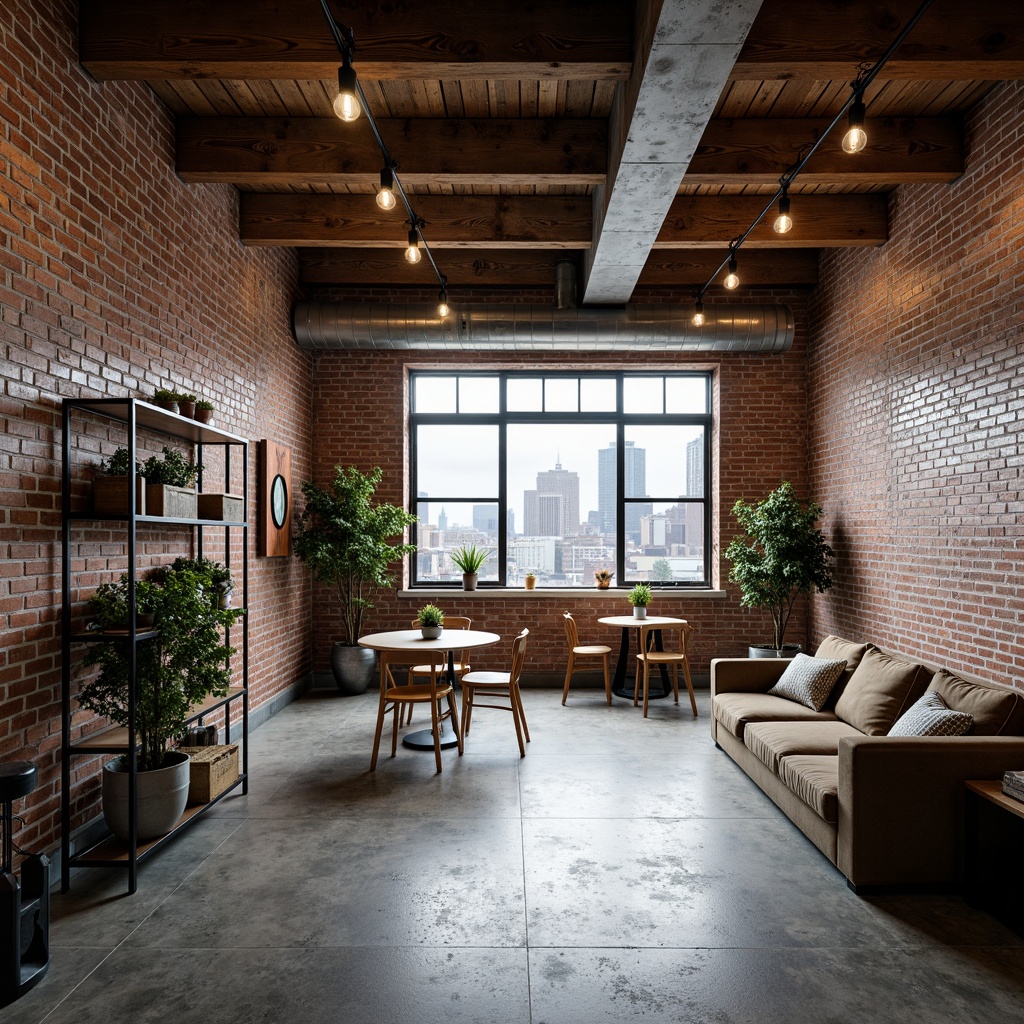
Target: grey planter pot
639	611
160	798
469	580
354	669
431	632
767	651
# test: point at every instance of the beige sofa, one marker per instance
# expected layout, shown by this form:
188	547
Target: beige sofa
886	810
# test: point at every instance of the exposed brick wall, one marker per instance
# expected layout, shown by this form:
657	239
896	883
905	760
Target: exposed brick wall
915	418
360	400
115	279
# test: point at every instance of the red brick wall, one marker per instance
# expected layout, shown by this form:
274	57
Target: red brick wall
915	418
115	279
361	404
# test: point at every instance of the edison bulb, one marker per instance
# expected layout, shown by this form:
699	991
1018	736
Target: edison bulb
442	308
346	106
855	139
698	319
732	279
412	254
386	199
783	223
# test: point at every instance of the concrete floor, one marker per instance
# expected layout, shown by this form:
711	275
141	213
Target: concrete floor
625	870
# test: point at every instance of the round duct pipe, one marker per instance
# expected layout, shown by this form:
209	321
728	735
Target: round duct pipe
477	327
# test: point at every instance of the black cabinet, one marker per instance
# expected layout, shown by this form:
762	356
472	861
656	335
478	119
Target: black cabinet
84	421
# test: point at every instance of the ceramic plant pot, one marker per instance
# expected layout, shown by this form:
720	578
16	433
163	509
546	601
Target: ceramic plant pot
431	632
354	669
160	797
639	611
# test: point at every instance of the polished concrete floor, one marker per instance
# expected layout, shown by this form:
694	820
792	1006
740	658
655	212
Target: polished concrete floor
625	870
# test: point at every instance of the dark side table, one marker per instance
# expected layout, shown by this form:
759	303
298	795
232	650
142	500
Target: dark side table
993	839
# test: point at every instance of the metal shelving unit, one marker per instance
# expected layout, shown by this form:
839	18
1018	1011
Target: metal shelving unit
136	414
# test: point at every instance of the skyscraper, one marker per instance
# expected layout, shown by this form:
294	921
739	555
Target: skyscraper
636	487
553	509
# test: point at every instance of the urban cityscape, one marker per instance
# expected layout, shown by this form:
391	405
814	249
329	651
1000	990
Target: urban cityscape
563	544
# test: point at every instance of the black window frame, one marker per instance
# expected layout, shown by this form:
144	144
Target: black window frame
621	420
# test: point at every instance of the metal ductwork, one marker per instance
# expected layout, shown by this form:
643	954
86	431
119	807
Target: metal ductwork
478	327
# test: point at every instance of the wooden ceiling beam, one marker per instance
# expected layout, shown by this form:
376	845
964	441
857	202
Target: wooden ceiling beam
467	268
901	150
828	39
446	39
552	222
501	222
298	150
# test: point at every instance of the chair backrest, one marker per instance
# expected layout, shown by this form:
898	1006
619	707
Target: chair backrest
518	655
572	634
680	645
450	622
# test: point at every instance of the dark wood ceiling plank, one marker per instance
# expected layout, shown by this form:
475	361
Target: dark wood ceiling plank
513	268
294	150
760	150
123	39
828	39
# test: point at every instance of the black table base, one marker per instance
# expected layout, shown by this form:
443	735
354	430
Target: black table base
624	686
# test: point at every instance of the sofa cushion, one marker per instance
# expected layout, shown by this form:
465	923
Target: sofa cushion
834	647
881	688
769	742
929	716
815	779
995	712
734	710
809	681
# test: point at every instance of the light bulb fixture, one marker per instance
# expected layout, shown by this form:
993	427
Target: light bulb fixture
732	279
855	138
783	222
346	103
442	303
698	314
412	253
386	193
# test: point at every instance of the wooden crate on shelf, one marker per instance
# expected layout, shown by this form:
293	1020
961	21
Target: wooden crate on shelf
172	502
110	495
229	507
211	771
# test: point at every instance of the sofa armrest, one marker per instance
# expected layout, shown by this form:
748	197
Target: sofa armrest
746	675
901	803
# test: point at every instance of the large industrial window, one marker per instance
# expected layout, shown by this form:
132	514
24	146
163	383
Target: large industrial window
562	474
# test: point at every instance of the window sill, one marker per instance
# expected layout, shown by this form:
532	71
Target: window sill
562	593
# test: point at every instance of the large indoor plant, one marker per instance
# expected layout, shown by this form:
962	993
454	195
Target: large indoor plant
781	555
350	541
185	662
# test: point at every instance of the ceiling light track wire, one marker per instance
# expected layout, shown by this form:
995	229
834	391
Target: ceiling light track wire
344	39
868	73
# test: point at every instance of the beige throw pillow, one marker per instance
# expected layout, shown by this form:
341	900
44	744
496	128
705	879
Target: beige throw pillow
808	680
879	691
994	712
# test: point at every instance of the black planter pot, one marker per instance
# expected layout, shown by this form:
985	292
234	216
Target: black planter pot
767	651
354	669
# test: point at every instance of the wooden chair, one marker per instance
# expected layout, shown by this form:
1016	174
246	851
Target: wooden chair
395	697
461	665
499	684
676	658
576	650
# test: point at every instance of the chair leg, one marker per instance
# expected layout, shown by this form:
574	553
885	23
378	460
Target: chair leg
568	678
647	683
636	688
522	713
689	685
468	696
381	712
394	730
514	705
453	707
435	730
607	682
675	680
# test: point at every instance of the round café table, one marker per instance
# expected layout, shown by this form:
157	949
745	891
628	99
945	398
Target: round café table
410	641
629	622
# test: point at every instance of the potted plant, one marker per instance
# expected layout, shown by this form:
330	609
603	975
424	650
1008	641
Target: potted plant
110	487
187	662
347	540
187	405
204	411
468	561
530	580
170	485
603	578
640	598
166	399
217	581
431	620
780	555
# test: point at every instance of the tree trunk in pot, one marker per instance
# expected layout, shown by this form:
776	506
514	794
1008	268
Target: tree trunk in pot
354	669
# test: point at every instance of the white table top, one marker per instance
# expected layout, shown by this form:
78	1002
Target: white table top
630	621
412	640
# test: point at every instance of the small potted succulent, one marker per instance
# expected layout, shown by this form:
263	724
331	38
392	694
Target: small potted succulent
603	578
469	560
640	598
431	620
203	411
530	580
166	399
